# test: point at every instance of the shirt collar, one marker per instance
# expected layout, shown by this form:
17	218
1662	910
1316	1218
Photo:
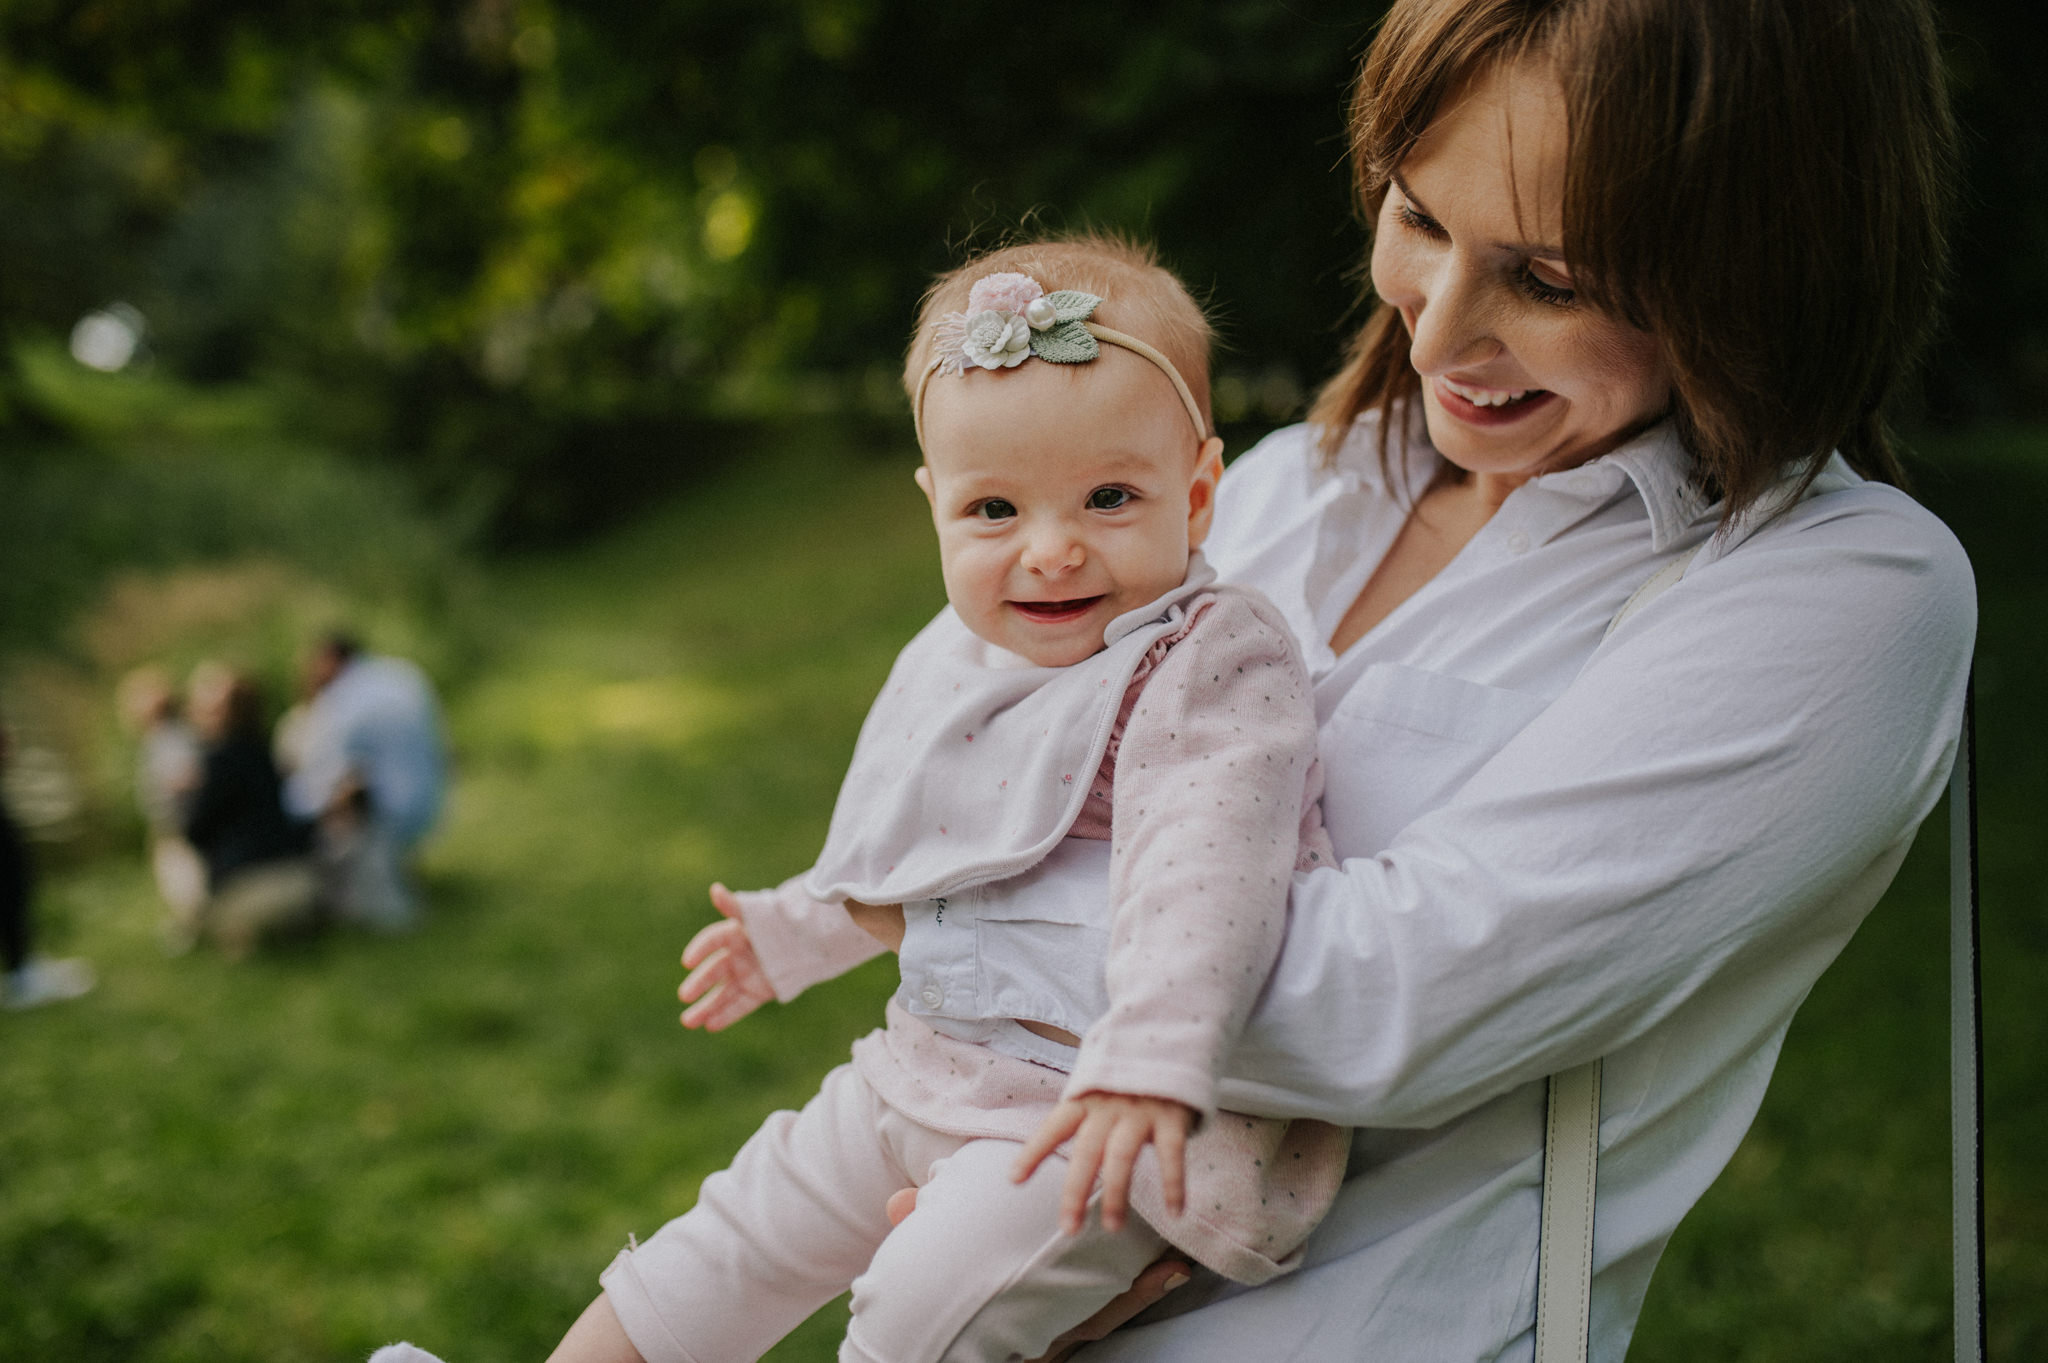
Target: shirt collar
1664	474
1655	461
1358	465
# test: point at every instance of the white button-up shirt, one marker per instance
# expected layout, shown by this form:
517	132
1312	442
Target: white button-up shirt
1555	847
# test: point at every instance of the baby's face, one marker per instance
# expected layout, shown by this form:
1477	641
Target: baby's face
1064	496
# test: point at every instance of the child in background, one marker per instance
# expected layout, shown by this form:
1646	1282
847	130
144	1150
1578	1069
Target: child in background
1088	683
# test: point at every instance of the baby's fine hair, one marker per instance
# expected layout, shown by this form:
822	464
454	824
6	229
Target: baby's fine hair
1139	296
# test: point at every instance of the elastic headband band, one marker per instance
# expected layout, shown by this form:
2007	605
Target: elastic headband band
1011	319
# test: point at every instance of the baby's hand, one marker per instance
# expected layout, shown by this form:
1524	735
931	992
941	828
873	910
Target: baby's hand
1109	1129
725	981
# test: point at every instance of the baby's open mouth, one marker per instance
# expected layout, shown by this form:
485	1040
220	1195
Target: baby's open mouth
1053	612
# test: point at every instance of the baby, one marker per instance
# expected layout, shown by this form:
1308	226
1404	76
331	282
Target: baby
1088	681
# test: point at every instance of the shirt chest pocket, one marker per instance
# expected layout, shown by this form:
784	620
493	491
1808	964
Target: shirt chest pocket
1039	953
1402	742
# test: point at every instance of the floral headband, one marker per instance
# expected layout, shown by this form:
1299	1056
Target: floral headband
1010	318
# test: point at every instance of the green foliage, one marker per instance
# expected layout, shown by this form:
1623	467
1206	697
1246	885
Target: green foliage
538	249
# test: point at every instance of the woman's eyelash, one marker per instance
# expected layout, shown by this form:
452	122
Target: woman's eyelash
1428	226
1528	280
1533	285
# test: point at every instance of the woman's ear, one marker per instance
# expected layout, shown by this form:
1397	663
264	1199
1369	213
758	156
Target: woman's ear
1202	491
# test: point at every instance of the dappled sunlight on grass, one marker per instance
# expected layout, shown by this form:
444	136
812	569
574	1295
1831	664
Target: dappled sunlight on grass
559	712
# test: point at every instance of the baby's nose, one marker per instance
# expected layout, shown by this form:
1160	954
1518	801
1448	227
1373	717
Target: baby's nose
1052	548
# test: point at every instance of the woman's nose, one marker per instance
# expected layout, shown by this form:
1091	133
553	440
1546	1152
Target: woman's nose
1052	548
1449	323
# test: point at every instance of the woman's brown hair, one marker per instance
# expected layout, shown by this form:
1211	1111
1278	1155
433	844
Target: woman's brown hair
1763	186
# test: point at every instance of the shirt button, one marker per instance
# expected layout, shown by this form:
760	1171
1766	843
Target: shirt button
1518	543
931	996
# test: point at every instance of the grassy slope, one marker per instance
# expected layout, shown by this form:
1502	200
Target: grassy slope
446	1136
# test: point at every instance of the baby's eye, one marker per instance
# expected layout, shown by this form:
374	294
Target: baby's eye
1107	498
995	509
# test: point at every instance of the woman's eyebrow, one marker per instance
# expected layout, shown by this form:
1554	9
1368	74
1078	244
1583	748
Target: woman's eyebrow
1537	250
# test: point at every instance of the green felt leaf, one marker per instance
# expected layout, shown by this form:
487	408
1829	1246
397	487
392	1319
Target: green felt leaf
1071	305
1065	343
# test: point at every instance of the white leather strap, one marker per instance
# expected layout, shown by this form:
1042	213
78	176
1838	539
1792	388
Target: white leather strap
1966	1061
1571	1147
1564	1261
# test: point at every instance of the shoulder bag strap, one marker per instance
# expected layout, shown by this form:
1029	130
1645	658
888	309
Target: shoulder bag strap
1966	1061
1571	1148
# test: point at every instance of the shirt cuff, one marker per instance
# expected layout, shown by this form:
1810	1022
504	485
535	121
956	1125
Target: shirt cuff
1099	1070
800	940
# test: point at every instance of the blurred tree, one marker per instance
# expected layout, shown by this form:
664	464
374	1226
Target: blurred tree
549	252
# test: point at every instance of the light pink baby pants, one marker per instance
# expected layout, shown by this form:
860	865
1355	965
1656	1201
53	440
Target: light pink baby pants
980	1271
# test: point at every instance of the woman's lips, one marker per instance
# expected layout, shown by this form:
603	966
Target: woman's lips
1055	612
1479	414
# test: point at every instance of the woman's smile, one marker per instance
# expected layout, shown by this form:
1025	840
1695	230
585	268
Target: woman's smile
1490	406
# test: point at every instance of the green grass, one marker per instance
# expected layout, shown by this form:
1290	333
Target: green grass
447	1136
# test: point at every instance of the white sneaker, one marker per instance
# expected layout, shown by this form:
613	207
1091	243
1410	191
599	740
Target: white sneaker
40	981
402	1353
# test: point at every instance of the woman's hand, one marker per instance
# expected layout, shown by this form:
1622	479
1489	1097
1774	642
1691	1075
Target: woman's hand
883	922
1161	1276
726	981
1108	1131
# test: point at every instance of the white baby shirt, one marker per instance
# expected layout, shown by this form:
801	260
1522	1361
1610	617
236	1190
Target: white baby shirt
972	765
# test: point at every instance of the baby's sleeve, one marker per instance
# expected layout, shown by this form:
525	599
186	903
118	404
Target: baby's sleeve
800	940
1206	827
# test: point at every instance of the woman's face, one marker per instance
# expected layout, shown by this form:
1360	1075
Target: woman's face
1519	377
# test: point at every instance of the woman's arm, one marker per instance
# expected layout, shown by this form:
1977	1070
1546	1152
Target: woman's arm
1709	809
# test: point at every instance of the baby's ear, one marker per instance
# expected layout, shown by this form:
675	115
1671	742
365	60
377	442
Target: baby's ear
924	481
1202	490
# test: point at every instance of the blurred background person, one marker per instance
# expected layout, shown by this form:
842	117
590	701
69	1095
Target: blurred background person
167	767
370	766
260	877
30	980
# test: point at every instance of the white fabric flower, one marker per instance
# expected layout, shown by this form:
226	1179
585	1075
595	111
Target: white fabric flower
996	340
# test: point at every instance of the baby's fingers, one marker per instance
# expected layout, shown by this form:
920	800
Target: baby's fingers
709	939
1059	1124
1119	1155
718	1011
714	969
1084	1160
724	900
1171	1140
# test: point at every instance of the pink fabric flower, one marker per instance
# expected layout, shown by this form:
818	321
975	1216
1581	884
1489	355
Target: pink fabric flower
1008	292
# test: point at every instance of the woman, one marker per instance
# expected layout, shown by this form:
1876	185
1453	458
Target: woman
260	881
1648	272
